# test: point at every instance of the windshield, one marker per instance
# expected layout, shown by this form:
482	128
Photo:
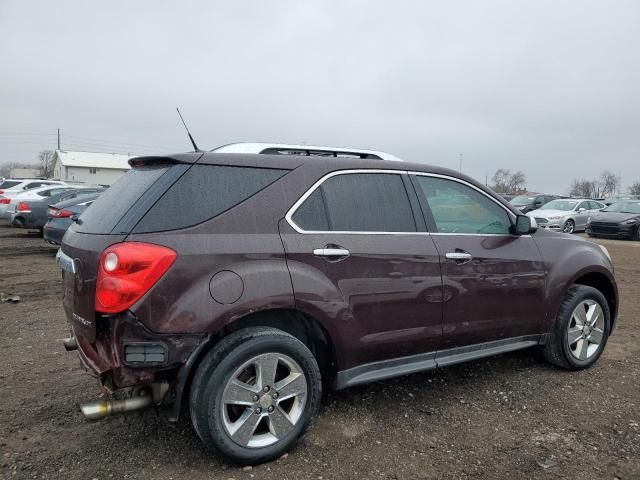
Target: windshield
521	201
565	205
624	207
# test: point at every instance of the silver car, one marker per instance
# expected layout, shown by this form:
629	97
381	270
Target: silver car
566	215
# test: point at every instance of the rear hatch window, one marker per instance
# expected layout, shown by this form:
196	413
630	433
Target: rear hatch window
105	213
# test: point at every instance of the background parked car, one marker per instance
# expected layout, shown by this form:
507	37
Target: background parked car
526	203
8	183
35	194
619	220
567	215
61	217
6	194
612	200
32	214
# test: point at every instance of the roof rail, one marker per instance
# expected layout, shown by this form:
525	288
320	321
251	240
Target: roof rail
307	150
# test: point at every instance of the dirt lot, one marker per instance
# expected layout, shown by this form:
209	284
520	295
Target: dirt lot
506	417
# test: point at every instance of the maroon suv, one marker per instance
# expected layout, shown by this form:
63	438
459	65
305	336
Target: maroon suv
237	285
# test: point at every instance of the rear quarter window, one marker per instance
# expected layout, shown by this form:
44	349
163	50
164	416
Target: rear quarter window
204	192
115	202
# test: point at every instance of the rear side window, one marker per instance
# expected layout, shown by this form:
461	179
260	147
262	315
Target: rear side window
8	184
110	207
204	192
357	202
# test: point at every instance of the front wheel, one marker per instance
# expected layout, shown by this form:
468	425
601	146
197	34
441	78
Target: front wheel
569	226
254	394
581	329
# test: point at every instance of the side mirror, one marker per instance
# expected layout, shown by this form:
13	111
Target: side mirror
580	210
524	225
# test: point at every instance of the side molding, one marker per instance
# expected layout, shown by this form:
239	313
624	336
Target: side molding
374	371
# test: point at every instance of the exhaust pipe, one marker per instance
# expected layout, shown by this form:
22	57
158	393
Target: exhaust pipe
103	408
70	344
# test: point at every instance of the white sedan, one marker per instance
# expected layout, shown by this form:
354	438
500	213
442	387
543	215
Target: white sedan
39	193
11	188
566	215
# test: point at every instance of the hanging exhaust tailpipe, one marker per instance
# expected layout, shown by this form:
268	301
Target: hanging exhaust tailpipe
70	344
103	408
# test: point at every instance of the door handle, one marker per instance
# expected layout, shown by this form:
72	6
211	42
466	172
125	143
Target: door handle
331	252
459	257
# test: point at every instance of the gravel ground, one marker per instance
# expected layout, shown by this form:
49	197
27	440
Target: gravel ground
511	416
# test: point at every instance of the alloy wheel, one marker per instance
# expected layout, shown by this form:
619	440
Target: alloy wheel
586	329
263	400
569	226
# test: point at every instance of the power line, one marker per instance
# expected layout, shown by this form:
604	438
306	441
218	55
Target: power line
77	137
23	137
66	142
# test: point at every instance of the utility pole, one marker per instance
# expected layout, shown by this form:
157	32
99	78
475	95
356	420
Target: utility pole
460	163
58	139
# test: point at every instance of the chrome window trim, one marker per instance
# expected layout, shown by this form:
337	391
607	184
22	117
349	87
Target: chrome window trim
314	187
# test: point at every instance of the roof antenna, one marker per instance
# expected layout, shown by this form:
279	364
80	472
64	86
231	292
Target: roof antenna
193	142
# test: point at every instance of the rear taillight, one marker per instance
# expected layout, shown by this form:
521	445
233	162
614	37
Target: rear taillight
23	207
5	201
127	271
57	213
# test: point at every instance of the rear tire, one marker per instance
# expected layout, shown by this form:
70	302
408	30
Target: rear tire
581	329
248	407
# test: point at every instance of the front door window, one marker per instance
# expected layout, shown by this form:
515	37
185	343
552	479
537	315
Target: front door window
456	208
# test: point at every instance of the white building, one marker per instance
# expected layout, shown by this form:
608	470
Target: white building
90	168
24	173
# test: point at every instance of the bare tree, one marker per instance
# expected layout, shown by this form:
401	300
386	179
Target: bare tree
582	188
608	183
46	163
501	180
517	181
634	189
506	182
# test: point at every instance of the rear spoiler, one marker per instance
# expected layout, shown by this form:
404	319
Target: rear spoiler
192	157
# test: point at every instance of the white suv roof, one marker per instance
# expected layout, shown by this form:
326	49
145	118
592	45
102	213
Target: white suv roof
289	149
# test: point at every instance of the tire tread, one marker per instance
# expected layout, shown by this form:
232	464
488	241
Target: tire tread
553	349
212	438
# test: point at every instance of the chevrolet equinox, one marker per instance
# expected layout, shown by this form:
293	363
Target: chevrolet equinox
236	286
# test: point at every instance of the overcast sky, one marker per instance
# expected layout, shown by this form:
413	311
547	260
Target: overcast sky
548	87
